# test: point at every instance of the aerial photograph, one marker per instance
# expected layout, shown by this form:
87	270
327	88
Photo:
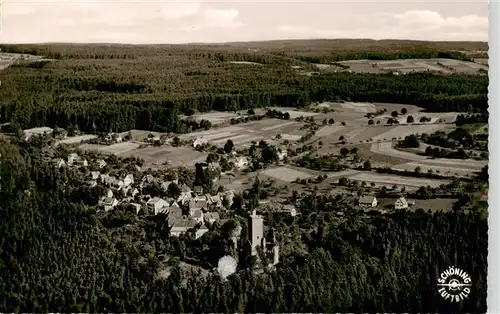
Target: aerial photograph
243	157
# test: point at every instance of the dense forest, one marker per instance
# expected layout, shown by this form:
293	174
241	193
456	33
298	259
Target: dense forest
102	88
60	256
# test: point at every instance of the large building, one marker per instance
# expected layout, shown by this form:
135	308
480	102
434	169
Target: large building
255	231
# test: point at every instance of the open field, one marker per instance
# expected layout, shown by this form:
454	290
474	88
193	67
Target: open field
116	149
243	134
174	156
444	66
76	139
390	180
444	170
286	174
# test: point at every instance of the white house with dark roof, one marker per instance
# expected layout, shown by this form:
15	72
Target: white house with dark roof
110	203
240	162
95	175
401	203
59	162
128	180
182	226
101	163
157	205
72	158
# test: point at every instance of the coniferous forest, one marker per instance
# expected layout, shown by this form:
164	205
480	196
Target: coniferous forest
58	255
61	255
117	87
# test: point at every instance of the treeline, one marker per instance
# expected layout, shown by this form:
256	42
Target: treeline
35	99
404	54
59	256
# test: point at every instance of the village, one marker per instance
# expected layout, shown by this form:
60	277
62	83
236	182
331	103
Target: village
193	179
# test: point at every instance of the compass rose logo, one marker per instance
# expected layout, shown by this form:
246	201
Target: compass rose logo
454	284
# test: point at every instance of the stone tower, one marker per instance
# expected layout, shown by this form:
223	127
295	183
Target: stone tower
255	231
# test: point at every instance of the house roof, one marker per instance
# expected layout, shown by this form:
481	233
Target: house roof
197	203
175	212
155	200
366	199
184	225
197	213
402	201
109	200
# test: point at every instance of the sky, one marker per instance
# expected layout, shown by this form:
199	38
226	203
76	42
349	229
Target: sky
154	21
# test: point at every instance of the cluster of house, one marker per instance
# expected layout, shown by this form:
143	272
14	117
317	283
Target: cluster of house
199	205
74	160
371	201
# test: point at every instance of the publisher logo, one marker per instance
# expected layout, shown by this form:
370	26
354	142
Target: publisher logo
454	284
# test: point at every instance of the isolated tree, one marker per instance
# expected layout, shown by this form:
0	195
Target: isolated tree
403	111
344	151
354	150
367	165
418	169
341	138
228	147
250	111
394	114
343	123
410	119
371	122
325	121
331	121
378	121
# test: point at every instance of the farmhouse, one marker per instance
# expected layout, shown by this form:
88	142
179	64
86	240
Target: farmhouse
59	162
128	180
368	201
282	154
109	203
240	162
199	141
36	131
401	203
182	226
95	175
157	205
73	157
101	163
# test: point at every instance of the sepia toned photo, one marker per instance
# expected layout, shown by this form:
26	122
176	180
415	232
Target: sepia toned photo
244	157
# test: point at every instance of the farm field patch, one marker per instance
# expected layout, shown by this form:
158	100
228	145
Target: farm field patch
391	180
76	139
174	156
286	174
445	66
